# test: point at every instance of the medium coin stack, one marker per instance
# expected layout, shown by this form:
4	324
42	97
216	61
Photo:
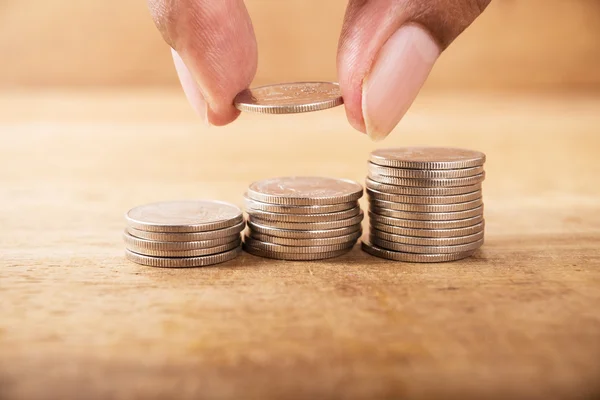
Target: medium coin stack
303	218
183	234
425	203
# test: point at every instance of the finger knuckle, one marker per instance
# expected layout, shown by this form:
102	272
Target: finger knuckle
476	7
446	19
164	14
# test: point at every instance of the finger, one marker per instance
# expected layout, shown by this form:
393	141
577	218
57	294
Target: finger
216	43
387	50
190	87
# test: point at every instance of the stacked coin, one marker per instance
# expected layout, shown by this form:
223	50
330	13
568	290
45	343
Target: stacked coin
183	233
303	218
425	203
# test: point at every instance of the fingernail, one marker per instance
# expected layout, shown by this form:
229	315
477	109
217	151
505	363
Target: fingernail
397	75
191	88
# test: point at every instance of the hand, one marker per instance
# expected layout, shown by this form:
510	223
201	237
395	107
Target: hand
386	51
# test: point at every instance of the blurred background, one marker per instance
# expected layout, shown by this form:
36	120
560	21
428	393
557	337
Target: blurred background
517	45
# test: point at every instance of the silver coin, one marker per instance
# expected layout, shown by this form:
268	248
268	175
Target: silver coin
187	236
184	216
429	233
427	158
411	223
305	191
133	242
409	248
424	173
290	98
422	191
400	198
424	241
295	256
428	183
277	208
426	208
185	253
267	216
277	248
352	237
185	262
412	257
427	216
305	226
311	234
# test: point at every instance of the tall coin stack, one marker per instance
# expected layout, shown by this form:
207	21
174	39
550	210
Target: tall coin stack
182	234
303	218
425	203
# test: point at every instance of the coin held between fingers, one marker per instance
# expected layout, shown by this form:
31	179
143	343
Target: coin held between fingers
290	98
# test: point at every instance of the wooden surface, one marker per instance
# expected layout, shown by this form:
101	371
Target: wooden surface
516	44
521	319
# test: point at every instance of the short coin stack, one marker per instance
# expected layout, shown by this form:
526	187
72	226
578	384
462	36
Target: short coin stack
303	218
425	203
182	234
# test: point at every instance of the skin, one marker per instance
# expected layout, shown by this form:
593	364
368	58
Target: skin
215	51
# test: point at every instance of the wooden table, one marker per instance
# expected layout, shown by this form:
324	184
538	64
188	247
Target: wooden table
521	319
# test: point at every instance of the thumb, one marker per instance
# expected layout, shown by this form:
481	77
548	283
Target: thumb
214	49
387	50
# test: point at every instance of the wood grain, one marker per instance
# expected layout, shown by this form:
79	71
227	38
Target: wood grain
515	45
521	319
